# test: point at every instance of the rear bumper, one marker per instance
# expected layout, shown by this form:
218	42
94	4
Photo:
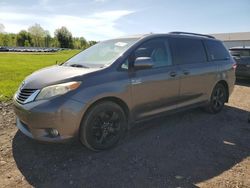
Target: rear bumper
37	119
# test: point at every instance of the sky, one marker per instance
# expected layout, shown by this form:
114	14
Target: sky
105	19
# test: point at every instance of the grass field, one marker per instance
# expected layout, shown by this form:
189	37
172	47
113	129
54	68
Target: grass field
14	67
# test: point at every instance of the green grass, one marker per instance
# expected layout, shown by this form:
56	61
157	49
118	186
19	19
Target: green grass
14	67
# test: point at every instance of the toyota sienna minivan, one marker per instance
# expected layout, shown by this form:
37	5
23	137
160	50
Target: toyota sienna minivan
99	93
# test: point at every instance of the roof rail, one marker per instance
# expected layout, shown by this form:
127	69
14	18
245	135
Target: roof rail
196	34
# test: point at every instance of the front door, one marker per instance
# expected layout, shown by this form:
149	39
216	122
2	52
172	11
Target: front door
154	90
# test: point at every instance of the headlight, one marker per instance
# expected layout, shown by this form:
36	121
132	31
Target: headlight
58	89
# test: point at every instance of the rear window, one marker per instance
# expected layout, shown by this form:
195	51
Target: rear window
186	51
240	52
216	50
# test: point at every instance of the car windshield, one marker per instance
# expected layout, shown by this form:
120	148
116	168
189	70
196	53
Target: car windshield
101	54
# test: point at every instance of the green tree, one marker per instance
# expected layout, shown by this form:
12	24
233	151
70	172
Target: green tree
79	43
84	43
12	39
6	40
54	42
76	43
26	43
91	43
47	39
22	36
64	37
1	39
38	34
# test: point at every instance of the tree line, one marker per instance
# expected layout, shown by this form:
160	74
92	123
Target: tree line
36	36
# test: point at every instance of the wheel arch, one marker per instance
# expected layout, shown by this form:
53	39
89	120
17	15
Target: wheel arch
116	100
82	129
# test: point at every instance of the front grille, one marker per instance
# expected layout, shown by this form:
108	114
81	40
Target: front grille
23	94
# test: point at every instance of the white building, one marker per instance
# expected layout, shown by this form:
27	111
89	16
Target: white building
234	39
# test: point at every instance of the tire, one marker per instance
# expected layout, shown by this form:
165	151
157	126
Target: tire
103	126
217	99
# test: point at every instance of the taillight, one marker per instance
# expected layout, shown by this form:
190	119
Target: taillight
234	66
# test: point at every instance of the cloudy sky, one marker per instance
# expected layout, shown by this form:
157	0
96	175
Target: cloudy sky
103	19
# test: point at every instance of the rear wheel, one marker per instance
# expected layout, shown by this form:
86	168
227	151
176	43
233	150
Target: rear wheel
217	99
103	126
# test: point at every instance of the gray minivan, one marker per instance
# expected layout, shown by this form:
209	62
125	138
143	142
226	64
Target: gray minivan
97	94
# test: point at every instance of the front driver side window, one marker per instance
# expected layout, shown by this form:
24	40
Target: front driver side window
157	50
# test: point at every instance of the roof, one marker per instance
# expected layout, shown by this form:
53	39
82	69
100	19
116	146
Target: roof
232	36
176	33
220	36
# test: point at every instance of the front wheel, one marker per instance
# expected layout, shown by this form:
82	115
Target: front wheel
217	99
103	126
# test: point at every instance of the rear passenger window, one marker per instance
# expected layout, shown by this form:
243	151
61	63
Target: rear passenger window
216	50
186	51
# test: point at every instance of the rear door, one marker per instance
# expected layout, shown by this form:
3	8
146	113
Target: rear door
154	90
197	75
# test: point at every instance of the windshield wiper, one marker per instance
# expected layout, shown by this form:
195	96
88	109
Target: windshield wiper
78	65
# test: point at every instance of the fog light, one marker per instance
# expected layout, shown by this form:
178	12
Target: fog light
53	132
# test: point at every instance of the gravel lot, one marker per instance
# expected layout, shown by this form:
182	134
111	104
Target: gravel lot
188	149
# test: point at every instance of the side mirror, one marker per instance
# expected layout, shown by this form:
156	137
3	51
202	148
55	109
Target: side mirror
143	63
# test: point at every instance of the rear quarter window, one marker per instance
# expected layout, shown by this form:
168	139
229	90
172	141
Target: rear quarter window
187	51
216	50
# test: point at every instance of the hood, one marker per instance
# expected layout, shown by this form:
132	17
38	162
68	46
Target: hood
53	75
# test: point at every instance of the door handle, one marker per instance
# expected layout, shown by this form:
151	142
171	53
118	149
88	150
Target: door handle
186	72
172	74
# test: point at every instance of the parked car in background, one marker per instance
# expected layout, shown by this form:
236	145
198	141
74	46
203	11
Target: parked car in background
242	58
99	92
3	49
30	49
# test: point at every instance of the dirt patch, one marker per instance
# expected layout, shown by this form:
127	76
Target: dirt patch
189	149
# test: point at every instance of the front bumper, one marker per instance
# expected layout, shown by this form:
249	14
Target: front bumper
40	134
35	119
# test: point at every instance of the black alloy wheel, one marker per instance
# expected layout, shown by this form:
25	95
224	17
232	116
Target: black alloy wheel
218	99
103	126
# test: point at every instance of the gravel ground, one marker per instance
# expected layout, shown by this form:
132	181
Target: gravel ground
188	149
